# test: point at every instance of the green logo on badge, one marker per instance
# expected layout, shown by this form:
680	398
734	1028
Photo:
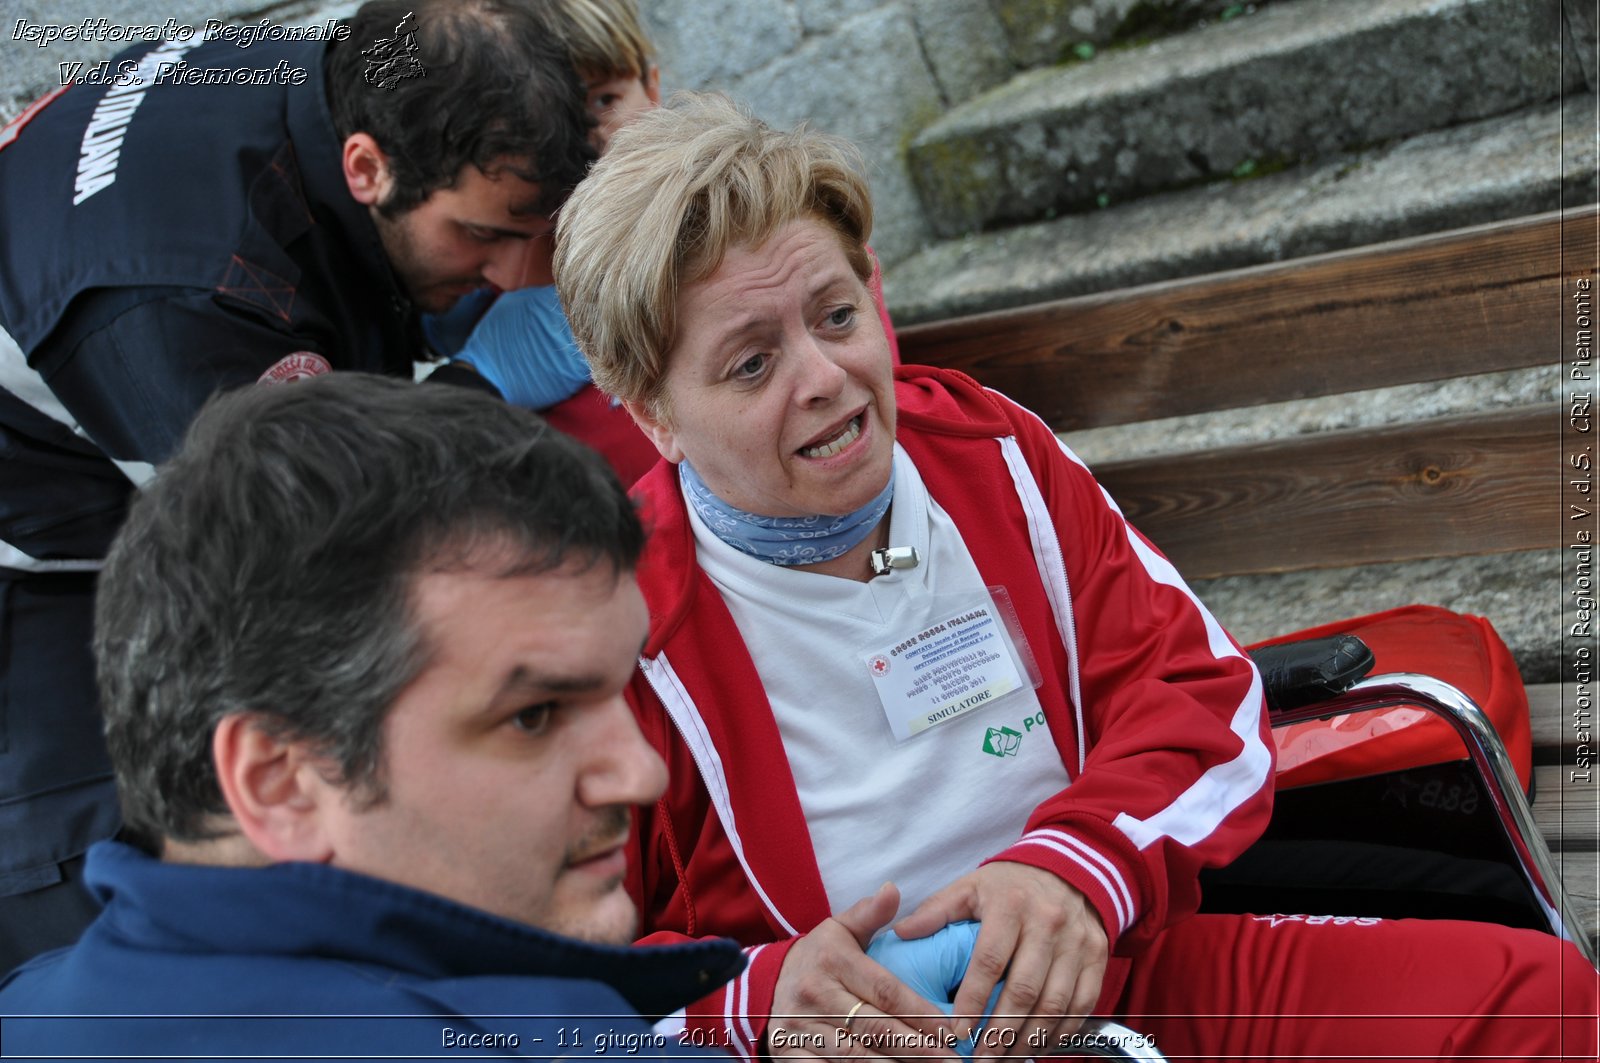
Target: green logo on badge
1002	741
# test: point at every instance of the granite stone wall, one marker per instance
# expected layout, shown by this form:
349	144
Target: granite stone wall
875	73
880	72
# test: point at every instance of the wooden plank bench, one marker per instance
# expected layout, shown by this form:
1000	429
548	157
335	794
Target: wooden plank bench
1432	308
1480	300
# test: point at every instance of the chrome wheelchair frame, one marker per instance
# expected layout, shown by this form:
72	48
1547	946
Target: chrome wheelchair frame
1110	1040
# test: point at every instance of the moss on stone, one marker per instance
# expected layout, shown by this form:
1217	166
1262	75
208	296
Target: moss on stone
950	174
1150	19
1253	169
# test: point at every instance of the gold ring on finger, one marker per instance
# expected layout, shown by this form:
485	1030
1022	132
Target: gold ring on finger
851	1016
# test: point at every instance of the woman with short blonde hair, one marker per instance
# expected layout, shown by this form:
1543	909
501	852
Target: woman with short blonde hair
695	183
899	632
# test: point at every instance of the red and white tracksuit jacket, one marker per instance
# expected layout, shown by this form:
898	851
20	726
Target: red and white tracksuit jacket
1157	714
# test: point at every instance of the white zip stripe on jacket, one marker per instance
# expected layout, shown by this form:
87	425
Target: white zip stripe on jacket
686	717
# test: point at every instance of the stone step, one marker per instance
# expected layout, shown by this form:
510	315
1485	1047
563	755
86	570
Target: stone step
1535	160
1301	79
1044	32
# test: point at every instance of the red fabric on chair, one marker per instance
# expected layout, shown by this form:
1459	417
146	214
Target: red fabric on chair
1464	651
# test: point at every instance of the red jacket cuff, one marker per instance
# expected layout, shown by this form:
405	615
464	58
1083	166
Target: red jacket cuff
735	1017
1107	883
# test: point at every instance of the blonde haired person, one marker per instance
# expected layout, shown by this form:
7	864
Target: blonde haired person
522	343
898	632
706	180
614	57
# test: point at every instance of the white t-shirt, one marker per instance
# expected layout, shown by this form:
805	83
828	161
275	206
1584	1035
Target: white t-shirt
920	812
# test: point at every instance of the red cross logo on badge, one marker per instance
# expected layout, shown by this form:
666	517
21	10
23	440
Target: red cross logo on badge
301	365
879	666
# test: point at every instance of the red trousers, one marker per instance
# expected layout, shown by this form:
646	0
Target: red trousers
1240	987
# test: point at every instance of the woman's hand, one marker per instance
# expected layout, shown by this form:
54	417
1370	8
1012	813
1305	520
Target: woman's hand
1040	935
827	973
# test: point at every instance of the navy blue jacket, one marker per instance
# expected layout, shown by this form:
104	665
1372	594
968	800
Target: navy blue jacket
304	959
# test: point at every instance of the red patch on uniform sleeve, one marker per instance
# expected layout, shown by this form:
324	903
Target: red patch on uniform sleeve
301	365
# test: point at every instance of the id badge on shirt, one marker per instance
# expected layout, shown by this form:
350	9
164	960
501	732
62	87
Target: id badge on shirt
966	655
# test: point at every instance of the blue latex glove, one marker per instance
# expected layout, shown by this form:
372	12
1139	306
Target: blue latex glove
932	967
524	347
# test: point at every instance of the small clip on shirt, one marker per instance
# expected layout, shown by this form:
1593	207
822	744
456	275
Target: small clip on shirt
886	560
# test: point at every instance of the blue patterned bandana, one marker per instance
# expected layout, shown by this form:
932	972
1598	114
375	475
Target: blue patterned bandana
783	540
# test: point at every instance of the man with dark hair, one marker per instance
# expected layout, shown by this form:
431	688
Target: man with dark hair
362	649
212	213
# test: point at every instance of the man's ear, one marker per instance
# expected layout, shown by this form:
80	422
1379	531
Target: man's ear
366	170
658	430
652	85
273	789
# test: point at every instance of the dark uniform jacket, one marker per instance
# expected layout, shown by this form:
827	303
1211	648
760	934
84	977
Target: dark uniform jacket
160	240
